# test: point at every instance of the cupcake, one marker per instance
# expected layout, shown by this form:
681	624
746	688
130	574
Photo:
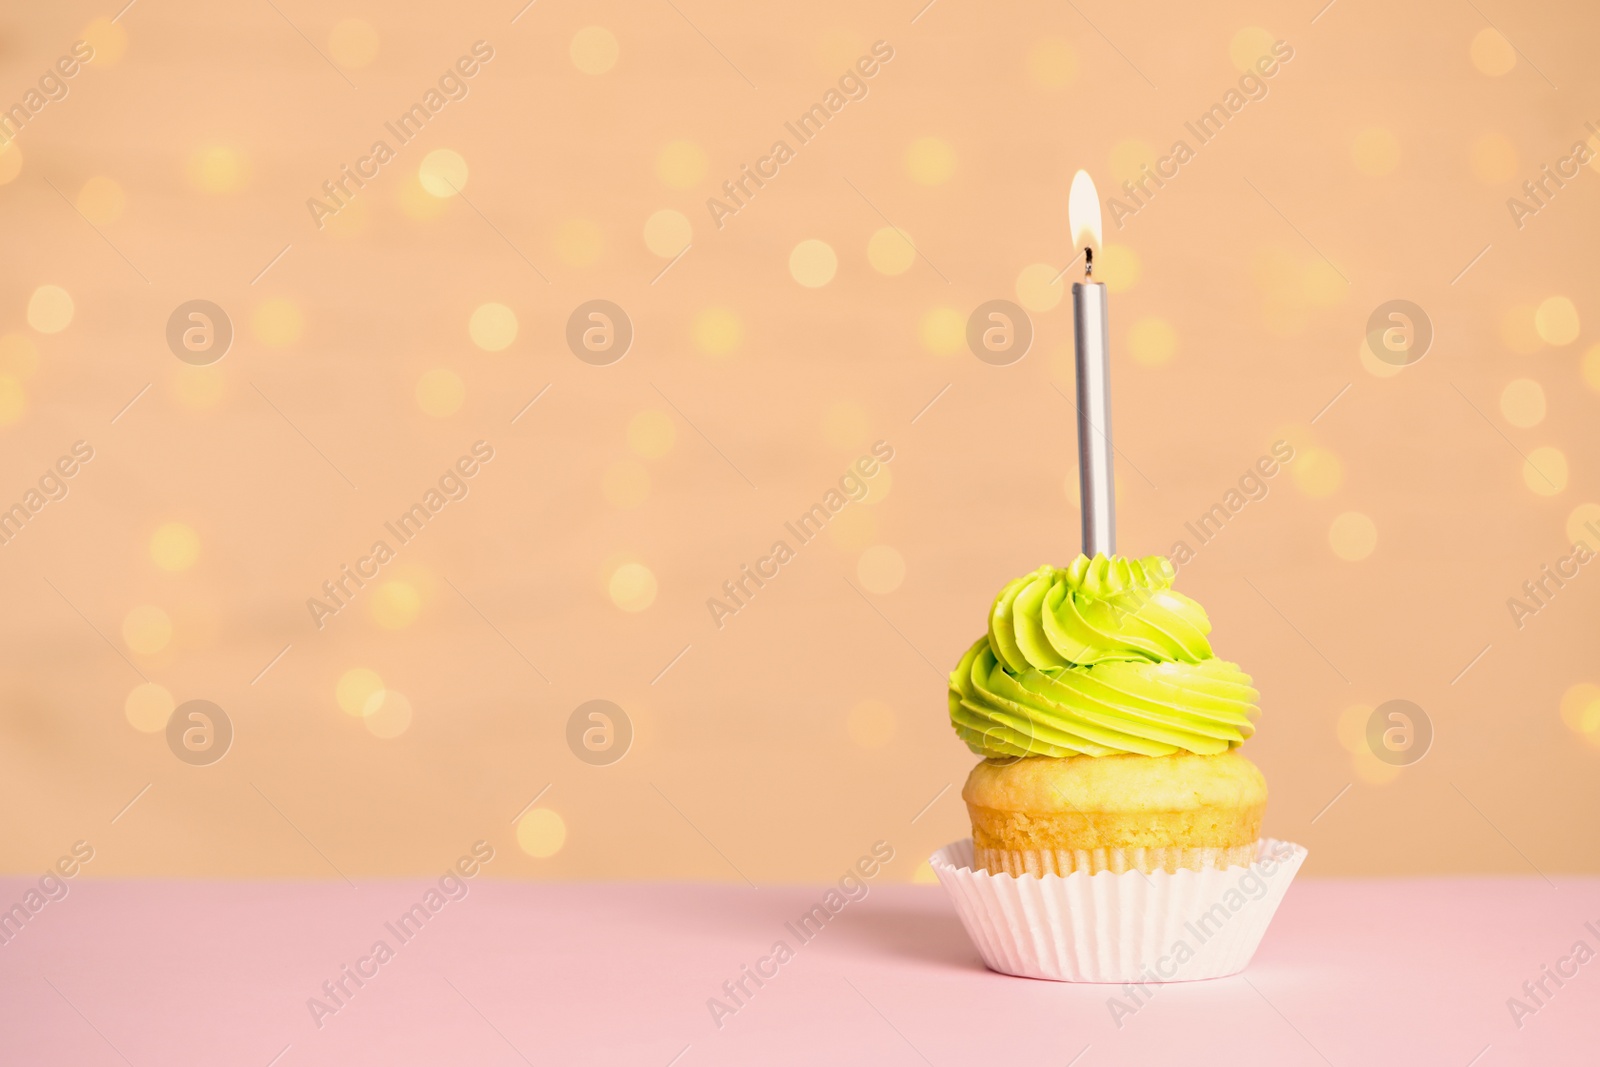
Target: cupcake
1107	727
1116	831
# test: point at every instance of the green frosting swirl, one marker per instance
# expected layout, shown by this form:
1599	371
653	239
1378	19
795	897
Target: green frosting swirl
1098	658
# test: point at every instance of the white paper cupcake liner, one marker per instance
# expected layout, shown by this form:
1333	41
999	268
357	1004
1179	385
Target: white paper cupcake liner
1119	927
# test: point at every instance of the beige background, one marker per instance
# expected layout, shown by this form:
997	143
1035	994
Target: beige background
813	722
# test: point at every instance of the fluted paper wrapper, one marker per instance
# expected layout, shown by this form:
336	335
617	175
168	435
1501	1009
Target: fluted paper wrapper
1119	927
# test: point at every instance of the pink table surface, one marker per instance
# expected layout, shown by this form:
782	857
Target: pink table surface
1351	972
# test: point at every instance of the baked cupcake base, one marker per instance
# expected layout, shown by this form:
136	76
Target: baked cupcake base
1039	815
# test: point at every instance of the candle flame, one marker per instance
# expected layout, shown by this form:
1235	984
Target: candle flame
1083	211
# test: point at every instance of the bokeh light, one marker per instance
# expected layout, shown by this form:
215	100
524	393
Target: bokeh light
1522	402
1152	341
943	331
651	434
541	833
440	392
579	242
1118	267
1545	472
594	50
217	169
1352	536
1051	63
442	173
1317	471
1580	709
108	39
277	322
1248	46
148	707
667	232
881	569
389	715
357	690
813	263
632	587
930	161
1494	159
353	43
1040	286
717	331
101	200
890	251
1492	54
492	327
1376	151
625	484
146	629
394	604
681	164
50	309
174	547
1557	321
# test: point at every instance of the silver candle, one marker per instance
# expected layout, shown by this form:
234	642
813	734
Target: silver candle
1092	345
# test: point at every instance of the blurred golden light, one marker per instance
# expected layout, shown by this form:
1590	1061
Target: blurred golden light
415	201
1152	341
1545	472
1578	525
174	547
1117	266
870	724
1249	45
930	161
1040	286
681	164
1317	472
845	424
108	39
1580	708
1352	536
594	50
146	629
943	331
651	434
925	875
881	569
1376	152
854	529
579	242
1519	330
667	232
1128	160
625	484
1591	367
1051	63
1557	321
878	486
813	263
148	708
1522	402
890	251
197	388
541	833
389	715
353	43
1370	770
394	605
357	689
717	331
1374	366
632	587
101	200
442	173
1494	159
50	309
217	169
1351	728
440	392
492	327
277	322
10	162
13	400
1492	54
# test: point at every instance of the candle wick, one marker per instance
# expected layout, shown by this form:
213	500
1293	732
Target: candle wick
1088	262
